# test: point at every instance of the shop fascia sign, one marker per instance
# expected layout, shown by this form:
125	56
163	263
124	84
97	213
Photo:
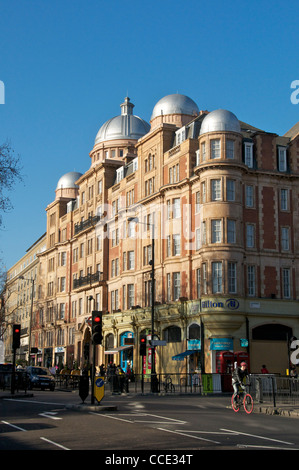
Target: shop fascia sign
221	344
194	344
223	304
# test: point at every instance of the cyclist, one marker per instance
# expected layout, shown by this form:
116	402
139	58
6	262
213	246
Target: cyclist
238	376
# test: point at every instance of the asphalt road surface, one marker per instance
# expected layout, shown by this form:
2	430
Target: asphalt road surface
161	427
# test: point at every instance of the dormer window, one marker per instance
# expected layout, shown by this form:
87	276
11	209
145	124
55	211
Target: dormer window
180	135
282	159
119	174
135	164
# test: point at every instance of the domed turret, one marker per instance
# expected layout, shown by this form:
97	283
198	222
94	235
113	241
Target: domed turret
220	120
66	186
175	109
175	104
68	180
125	126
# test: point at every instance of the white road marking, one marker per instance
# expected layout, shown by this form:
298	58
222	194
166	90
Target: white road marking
54	443
264	447
187	435
13	426
34	401
112	417
258	437
49	414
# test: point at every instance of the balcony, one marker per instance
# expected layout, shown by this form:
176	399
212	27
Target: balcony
90	222
87	280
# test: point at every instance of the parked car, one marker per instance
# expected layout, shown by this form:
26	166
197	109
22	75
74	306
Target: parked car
40	377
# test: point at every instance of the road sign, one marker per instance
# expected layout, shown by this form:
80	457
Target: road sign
99	388
158	342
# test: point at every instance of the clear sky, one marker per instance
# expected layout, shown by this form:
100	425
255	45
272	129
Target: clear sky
67	65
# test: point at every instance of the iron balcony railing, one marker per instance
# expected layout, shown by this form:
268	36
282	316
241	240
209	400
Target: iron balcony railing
90	222
87	280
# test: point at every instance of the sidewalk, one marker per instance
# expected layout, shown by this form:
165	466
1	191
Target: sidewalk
290	411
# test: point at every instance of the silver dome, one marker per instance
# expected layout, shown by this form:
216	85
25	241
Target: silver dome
68	180
175	104
220	120
125	126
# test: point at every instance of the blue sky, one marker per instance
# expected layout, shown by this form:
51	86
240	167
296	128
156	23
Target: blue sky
67	65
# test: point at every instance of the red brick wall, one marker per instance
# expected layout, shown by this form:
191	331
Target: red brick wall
268	197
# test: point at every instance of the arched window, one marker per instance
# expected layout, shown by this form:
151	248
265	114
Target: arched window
272	331
172	334
194	331
110	341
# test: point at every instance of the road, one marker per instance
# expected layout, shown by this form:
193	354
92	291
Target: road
182	425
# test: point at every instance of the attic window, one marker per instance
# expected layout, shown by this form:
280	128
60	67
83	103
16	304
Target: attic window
180	135
119	174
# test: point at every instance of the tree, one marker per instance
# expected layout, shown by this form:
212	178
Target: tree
10	173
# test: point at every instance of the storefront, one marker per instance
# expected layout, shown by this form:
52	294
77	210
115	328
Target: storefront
59	359
126	351
121	355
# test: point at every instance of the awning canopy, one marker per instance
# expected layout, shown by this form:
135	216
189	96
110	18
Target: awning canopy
180	357
119	349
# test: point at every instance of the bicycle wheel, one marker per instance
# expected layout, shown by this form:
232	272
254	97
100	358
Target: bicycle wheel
235	403
248	403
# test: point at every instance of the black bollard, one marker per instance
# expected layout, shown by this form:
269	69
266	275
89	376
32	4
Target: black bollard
83	387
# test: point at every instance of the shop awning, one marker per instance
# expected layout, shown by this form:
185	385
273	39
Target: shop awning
180	357
119	349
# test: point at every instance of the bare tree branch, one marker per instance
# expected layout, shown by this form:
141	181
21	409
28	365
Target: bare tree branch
10	173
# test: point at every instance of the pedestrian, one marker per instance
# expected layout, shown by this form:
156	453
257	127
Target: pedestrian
293	372
264	369
121	378
102	370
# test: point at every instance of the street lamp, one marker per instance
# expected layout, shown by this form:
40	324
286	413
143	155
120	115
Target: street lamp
31	314
154	384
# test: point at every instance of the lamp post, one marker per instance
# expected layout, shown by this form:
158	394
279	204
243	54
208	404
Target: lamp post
93	366
31	313
154	382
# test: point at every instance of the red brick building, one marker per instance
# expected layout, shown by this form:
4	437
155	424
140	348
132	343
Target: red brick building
223	198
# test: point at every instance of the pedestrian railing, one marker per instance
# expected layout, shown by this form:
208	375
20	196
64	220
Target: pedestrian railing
275	389
271	389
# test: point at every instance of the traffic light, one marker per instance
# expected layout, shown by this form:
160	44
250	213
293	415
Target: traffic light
16	336
142	345
96	327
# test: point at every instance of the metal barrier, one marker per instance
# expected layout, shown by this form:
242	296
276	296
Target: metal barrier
67	381
163	384
265	388
138	383
20	380
275	389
